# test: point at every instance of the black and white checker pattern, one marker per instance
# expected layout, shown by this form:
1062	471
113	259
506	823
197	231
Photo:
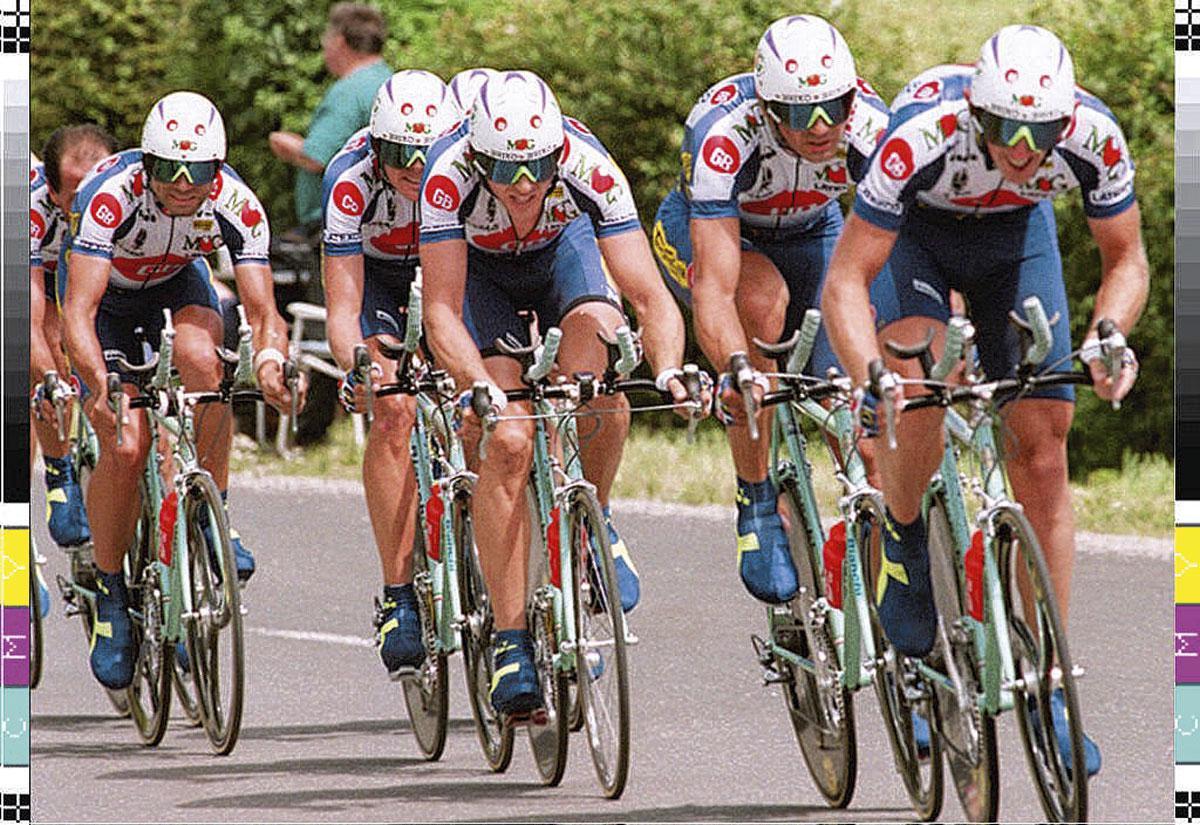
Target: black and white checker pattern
14	807
14	26
1187	25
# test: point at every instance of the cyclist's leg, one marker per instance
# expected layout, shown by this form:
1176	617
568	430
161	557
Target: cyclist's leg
388	480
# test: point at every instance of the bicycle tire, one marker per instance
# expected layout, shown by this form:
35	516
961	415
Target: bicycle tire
149	694
895	676
35	619
601	660
1063	793
547	742
822	716
495	738
182	686
427	693
968	735
216	602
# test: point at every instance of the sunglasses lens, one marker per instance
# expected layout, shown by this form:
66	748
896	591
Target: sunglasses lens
400	155
195	172
802	116
507	172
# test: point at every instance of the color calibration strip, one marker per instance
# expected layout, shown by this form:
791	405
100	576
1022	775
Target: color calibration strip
15	566
1187	411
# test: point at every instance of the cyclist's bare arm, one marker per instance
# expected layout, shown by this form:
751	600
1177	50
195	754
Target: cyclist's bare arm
717	262
445	281
88	279
343	297
861	252
632	266
1124	270
41	359
256	289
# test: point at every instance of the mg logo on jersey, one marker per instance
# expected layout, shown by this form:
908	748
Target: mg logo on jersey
106	211
441	193
897	159
347	198
721	155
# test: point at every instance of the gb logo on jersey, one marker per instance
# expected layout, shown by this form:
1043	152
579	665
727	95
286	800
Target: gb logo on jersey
106	211
441	193
721	155
348	199
897	159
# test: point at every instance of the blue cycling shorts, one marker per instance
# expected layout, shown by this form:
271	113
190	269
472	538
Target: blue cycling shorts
801	256
551	281
996	262
386	285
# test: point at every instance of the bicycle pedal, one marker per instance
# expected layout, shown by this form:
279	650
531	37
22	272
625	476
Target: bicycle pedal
771	676
405	673
535	718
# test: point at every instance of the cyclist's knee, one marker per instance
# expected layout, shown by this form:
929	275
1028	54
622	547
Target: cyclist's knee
510	447
762	296
127	457
394	416
199	365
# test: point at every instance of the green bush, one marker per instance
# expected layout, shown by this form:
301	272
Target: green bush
631	71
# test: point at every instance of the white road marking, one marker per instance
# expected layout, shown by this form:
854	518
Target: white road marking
309	636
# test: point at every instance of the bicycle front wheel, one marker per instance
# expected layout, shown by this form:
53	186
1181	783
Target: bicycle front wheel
601	664
214	632
427	692
1042	663
818	703
903	694
150	693
494	737
968	734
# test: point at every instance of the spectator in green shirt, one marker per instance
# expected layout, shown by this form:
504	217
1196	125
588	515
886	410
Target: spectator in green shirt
351	46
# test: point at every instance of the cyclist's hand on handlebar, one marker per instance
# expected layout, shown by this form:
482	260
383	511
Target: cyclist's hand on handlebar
352	390
102	416
1106	384
730	408
274	387
672	380
468	421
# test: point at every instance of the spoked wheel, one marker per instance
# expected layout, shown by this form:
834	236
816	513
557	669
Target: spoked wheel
820	706
495	739
214	634
547	741
601	666
150	693
427	691
184	688
901	690
35	616
968	735
1043	665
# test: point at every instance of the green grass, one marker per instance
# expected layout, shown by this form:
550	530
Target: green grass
660	465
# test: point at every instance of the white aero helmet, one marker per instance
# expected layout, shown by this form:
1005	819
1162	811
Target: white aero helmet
516	118
412	108
803	59
184	126
1024	73
464	86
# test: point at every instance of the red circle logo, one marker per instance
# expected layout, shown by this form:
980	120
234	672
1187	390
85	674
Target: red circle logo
927	90
37	225
575	124
721	155
441	193
218	184
723	95
896	159
106	210
347	198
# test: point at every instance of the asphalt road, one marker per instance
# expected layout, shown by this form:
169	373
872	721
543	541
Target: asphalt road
325	735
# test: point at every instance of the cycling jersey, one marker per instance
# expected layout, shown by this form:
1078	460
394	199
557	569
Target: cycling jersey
47	226
933	155
116	216
734	164
456	204
362	213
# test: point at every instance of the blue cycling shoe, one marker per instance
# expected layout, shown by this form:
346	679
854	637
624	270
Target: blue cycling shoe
515	685
920	726
764	558
628	582
904	593
113	650
181	657
66	515
1062	733
398	629
242	557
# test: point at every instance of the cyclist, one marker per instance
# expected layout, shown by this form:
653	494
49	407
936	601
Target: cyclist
972	211
745	236
142	222
522	207
369	260
70	152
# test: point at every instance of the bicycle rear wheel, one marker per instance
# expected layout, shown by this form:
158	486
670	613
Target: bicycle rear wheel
214	633
1042	663
601	663
547	741
150	693
901	690
427	692
181	682
968	734
819	705
495	739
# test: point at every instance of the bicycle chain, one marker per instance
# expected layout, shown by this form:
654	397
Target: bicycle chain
424	589
823	653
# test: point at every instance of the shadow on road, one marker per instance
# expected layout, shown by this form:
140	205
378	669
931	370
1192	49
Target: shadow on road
731	813
285	733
